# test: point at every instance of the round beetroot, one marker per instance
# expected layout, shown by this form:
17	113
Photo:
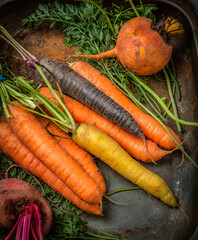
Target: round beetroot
140	48
15	195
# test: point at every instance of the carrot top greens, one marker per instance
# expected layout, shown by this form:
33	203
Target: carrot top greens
93	29
15	87
89	25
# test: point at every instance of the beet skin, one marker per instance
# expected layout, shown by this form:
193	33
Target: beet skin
15	194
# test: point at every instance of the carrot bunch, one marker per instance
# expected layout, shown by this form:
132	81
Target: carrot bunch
84	188
58	160
150	127
28	143
108	150
60	163
131	143
82	157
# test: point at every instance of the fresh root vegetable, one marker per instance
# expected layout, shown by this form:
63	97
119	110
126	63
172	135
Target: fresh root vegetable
132	144
23	208
33	134
38	140
82	157
151	128
105	148
140	48
85	92
101	145
61	76
93	140
79	88
12	146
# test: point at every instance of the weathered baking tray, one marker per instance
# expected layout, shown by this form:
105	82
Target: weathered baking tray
145	217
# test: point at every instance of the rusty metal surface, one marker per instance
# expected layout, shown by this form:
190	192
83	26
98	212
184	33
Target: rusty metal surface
144	217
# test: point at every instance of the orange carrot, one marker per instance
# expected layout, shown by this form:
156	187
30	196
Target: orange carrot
132	144
82	157
150	127
40	142
11	145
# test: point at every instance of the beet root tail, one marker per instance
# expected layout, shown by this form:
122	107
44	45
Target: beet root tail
108	54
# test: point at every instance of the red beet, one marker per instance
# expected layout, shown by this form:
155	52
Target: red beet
16	197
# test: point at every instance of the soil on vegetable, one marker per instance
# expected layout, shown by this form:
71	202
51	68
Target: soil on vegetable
14	207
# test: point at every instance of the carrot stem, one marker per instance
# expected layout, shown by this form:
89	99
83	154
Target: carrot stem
141	4
195	124
22	51
100	237
58	122
129	94
171	70
172	98
170	103
103	232
103	12
33	63
158	110
134	8
121	190
14	89
72	122
4	99
149	99
24	99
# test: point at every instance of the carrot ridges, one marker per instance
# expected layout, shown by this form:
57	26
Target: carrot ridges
82	157
132	144
12	146
118	159
38	140
85	92
150	127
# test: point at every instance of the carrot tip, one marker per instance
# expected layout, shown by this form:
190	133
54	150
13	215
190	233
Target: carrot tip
182	161
187	218
144	140
115	201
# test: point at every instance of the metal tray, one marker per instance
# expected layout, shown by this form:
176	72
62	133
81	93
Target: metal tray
144	217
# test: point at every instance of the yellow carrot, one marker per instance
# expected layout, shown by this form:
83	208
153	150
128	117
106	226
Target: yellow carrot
101	145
